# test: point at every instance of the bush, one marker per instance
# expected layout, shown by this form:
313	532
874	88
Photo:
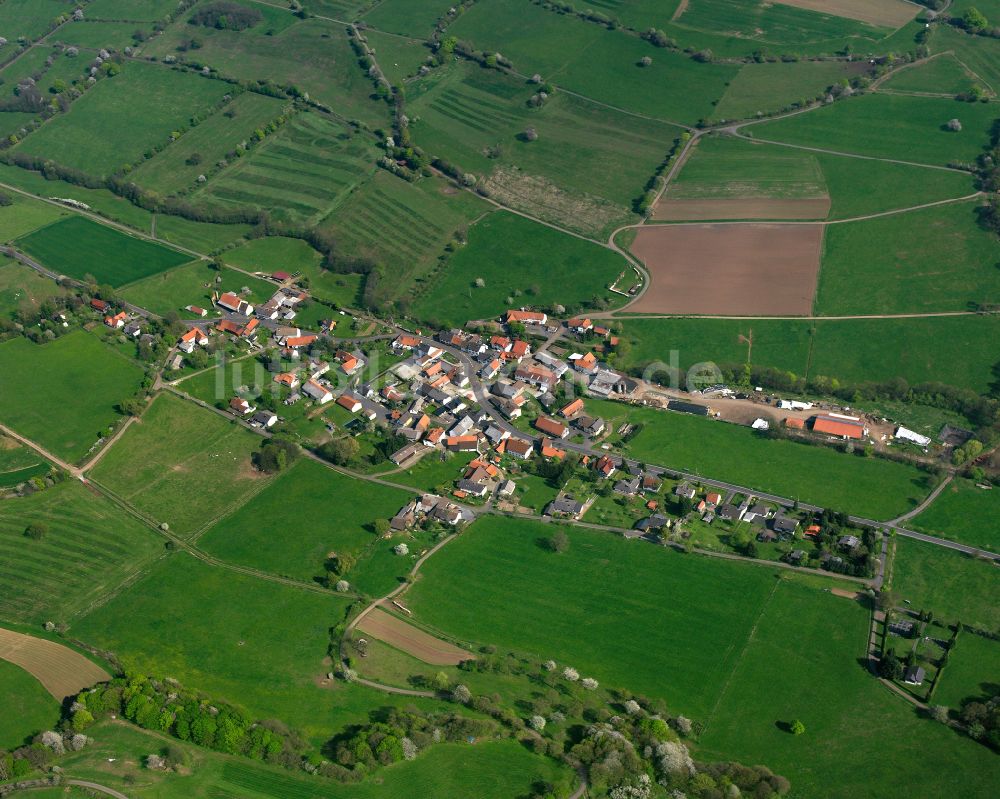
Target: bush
36	530
226	16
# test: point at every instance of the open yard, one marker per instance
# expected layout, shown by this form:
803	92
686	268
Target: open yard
964	512
518	261
104	545
934	349
198	150
82	382
953	585
729	269
710	652
888	126
28	707
182	465
77	247
120	118
936	259
298	174
332	515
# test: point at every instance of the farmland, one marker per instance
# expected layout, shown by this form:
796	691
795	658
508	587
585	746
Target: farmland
299	174
682	645
936	259
411	17
160	466
29	18
942	75
138	10
960	514
513	255
104	543
28	708
328	518
198	150
941	349
143	94
888	126
78	247
82	381
25	215
954	586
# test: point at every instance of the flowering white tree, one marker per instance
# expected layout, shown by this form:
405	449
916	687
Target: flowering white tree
343	585
673	758
571	674
401	549
632	707
683	725
461	694
537	723
589	683
409	748
549	665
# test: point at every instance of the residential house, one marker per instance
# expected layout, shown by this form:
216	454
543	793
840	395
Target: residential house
463	443
350	402
525	317
585	363
317	391
405	342
132	330
650	524
240	406
580	324
520	449
685	490
535	375
784	525
571	409
914	675
490	370
564	506
590	425
99	305
289	379
628	488
849	542
713	498
731	513
549	451
551	427
265	419
605	466
194	337
117	321
231	302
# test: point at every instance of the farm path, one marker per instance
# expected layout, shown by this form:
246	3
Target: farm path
75	471
108	444
927	501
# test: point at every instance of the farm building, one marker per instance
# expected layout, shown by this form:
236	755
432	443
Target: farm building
840	426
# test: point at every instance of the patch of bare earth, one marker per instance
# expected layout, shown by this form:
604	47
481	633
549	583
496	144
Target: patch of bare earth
709	210
884	13
845	593
61	670
412	640
729	269
532	194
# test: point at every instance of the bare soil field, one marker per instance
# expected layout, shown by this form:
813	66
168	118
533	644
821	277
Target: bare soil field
63	671
885	13
729	269
411	640
764	208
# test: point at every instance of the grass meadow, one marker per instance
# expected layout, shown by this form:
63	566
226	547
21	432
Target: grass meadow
34	64
171	171
137	11
888	126
96	35
514	255
25	215
963	512
314	55
120	118
600	64
488	770
63	394
182	465
299	173
332	514
30	18
971	671
978	53
204	237
90	548
953	585
408	17
935	259
398	57
942	75
869	487
22	288
28	707
77	247
193	284
934	349
19	463
768	87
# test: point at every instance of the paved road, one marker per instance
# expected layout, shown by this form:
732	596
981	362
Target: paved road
93	786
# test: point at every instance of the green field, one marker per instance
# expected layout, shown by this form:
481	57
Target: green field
137	11
80	382
628	615
887	126
95	35
764	88
19	463
78	247
433	471
583	171
954	586
25	215
412	17
978	53
209	142
602	65
332	513
120	118
868	487
274	254
398	57
488	770
299	173
516	256
936	259
942	75
22	288
963	513
935	349
30	18
28	707
424	217
314	55
90	547
183	465
971	671
203	237
34	64
193	284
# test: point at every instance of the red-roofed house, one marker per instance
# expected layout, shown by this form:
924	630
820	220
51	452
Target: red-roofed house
842	428
551	427
548	451
99	305
586	363
287	379
434	436
518	448
580	324
713	498
462	443
350	402
526	317
295	342
404	342
194	336
240	406
520	349
572	408
501	343
281	277
605	466
117	321
231	302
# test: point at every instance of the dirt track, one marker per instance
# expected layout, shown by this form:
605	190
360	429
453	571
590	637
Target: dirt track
753	269
423	646
694	210
63	671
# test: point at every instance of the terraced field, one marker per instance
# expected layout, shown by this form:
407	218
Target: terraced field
298	174
89	549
